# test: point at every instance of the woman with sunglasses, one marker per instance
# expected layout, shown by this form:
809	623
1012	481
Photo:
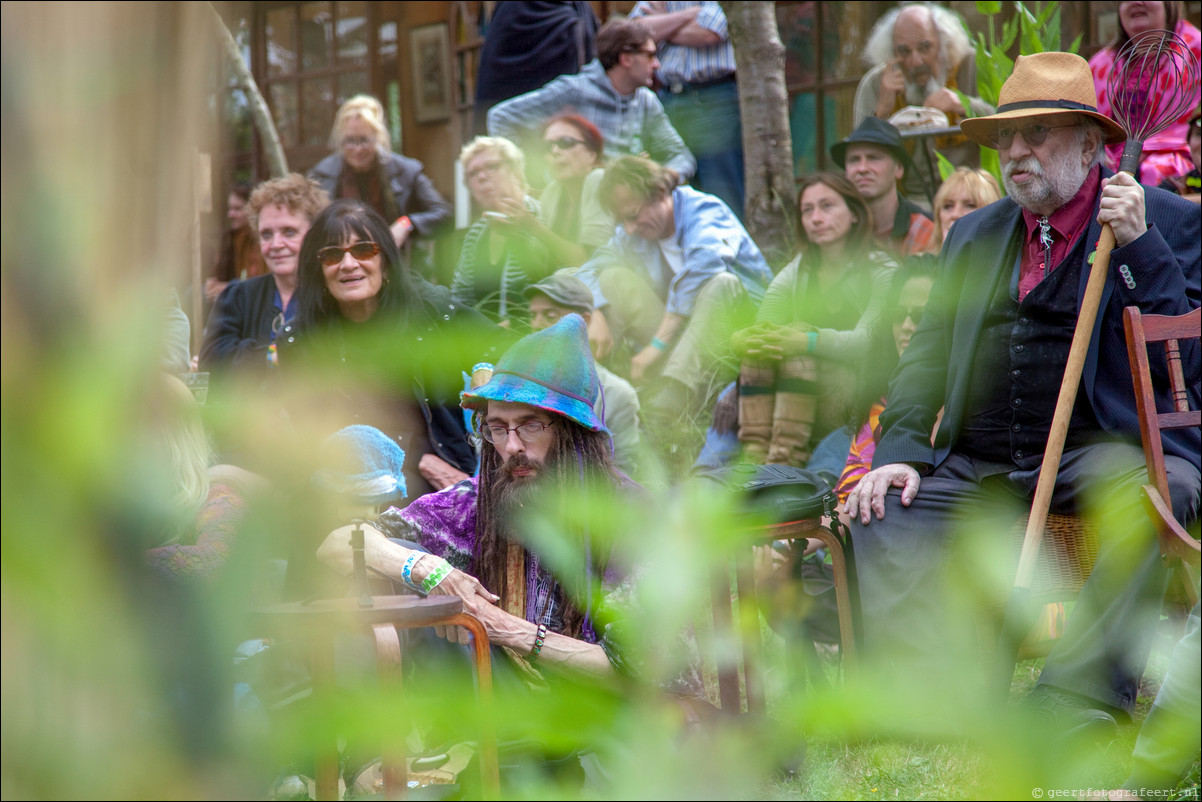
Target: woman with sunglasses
801	356
253	318
388	345
498	259
908	296
363	167
571	222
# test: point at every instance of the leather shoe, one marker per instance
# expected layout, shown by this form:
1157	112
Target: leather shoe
1070	716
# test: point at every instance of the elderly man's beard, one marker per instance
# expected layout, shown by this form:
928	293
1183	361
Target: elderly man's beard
925	82
1047	189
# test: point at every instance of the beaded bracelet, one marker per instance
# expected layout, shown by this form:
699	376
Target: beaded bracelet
539	637
440	572
659	344
407	569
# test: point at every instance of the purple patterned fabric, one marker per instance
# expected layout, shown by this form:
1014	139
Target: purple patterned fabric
444	523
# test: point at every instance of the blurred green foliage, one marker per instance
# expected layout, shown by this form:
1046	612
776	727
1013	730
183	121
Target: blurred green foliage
117	685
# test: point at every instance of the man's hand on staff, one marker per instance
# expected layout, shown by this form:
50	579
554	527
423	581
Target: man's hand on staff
868	496
1122	206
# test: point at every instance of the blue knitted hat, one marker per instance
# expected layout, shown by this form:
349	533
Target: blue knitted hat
363	464
551	369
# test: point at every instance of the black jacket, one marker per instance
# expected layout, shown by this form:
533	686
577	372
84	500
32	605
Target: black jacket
403	376
239	327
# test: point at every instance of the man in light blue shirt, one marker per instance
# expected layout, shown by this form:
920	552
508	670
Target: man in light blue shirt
677	278
612	93
698	90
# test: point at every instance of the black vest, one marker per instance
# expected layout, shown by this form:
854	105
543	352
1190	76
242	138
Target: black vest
1019	365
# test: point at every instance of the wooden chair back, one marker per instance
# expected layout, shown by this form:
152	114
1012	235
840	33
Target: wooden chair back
1168	331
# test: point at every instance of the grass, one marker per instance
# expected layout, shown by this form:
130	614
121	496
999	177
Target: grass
913	768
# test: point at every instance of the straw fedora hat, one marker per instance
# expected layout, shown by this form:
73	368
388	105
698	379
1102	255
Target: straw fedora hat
1044	84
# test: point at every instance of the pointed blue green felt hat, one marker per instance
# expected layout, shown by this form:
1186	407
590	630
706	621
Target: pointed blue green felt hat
552	370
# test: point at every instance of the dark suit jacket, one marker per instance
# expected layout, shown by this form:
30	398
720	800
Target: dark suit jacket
936	369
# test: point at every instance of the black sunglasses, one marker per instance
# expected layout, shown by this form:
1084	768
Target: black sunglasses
361	251
913	312
563	143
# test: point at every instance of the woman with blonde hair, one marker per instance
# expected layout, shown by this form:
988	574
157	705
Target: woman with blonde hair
498	259
963	191
364	168
202	505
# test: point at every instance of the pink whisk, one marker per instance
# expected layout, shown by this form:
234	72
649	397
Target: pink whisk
1139	102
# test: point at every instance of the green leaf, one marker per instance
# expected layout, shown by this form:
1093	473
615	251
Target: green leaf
1076	45
1009	34
965	102
1052	32
1045	12
1005	66
1029	38
988	84
946	168
990	163
989	8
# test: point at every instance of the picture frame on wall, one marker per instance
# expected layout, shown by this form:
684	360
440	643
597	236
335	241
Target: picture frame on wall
430	63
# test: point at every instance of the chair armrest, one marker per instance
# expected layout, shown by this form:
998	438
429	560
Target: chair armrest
1173	537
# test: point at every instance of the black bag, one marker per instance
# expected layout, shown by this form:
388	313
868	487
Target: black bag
785	493
780	492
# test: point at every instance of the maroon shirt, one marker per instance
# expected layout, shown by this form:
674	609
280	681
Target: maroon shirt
1067	224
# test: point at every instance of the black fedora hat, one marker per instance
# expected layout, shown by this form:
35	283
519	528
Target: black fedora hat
873	131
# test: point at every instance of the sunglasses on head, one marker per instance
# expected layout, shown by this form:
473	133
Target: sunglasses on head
1034	134
563	143
362	251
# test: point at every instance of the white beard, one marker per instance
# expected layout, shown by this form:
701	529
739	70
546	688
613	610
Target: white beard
1050	188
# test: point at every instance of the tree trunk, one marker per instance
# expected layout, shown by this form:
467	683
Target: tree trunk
770	207
259	113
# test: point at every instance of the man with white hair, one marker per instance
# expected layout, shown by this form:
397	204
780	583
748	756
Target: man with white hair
920	55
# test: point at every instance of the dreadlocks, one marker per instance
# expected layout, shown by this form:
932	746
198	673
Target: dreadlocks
579	457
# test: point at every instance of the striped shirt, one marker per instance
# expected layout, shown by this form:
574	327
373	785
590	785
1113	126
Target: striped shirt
682	64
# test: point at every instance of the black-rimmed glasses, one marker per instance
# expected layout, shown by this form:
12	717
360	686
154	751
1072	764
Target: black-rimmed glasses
530	432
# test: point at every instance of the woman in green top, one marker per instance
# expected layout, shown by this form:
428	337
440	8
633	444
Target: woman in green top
813	327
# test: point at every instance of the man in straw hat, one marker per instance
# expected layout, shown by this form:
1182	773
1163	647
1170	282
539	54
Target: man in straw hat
990	352
545	452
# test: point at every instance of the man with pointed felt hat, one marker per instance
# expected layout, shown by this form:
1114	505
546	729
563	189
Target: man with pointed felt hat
990	352
544	450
